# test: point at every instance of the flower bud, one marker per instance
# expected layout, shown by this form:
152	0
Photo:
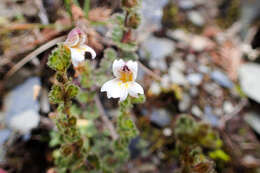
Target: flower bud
129	3
133	20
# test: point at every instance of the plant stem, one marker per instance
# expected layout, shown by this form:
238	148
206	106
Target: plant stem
105	119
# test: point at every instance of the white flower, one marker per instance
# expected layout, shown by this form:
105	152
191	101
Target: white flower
124	83
76	43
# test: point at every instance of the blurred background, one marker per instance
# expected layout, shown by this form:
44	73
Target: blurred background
204	55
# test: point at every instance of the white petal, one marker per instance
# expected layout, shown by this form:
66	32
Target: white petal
117	65
86	48
77	56
132	65
135	89
82	38
124	94
115	89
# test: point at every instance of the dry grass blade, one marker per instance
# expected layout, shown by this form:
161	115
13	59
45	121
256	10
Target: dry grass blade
33	55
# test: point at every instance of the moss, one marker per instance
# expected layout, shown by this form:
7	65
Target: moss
229	13
174	18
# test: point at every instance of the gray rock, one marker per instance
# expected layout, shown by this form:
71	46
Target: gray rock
178	64
204	69
155	88
195	78
184	104
152	12
213	89
199	43
249	80
160	117
177	77
21	108
44	101
194	91
228	107
195	110
253	119
186	4
165	82
210	117
196	18
220	78
179	35
4	135
158	64
157	48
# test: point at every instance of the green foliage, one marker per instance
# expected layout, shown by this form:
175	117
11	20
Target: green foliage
129	3
185	129
71	91
103	73
84	145
138	100
128	47
59	60
219	155
133	20
191	138
86	7
130	56
56	95
118	33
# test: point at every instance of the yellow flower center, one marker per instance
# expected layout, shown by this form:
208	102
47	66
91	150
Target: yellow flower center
126	75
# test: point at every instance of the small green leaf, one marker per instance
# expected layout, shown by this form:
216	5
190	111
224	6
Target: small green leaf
86	7
59	60
128	47
138	100
117	34
219	154
72	90
56	95
118	18
110	54
129	56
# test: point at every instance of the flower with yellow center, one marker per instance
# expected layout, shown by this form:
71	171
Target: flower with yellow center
76	43
124	83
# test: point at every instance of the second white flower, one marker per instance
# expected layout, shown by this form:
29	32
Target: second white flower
124	83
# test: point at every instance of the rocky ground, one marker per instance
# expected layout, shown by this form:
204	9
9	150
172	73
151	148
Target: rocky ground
203	58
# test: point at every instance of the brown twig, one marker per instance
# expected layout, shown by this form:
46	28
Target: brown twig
33	55
105	119
149	72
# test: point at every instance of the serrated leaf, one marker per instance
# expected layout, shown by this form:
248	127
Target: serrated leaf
56	95
117	34
106	62
110	53
128	47
118	18
71	90
219	154
59	60
129	56
138	100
